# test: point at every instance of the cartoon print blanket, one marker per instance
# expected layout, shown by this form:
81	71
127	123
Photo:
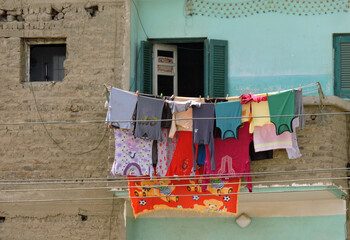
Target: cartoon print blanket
161	193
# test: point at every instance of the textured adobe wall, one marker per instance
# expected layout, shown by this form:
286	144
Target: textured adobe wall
324	144
97	39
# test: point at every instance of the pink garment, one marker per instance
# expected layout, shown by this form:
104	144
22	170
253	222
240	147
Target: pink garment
231	156
265	138
247	98
166	149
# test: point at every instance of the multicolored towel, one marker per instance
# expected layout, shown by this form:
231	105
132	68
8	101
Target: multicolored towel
162	193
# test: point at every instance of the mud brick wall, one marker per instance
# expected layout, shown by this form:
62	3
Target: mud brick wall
97	43
323	143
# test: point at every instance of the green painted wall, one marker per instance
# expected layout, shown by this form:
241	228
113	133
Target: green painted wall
291	228
267	52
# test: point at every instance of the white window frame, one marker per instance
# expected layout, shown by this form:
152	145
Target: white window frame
156	63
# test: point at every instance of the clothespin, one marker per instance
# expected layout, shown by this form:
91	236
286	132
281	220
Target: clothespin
172	97
299	86
107	93
208	97
215	101
161	95
226	96
292	89
108	87
137	93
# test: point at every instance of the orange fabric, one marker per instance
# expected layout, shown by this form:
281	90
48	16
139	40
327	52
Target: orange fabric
149	195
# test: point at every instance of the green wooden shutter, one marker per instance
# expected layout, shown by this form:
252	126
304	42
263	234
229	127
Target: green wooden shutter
146	68
206	67
342	66
218	71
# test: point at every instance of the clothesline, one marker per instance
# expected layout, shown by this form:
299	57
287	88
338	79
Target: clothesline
253	182
291	89
127	197
266	116
104	121
237	193
123	179
126	187
199	176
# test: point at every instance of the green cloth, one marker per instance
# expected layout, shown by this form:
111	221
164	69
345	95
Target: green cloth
282	104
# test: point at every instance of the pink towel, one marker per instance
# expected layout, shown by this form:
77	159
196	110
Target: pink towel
265	138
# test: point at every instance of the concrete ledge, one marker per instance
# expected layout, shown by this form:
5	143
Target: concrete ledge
329	101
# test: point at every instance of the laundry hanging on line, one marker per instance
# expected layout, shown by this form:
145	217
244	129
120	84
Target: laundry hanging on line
175	155
154	126
228	122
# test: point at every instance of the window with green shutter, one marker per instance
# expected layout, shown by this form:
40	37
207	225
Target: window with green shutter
201	67
217	68
342	65
146	68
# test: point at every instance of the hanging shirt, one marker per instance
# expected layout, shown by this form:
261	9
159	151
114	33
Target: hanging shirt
299	107
182	110
166	149
203	130
229	127
232	156
133	156
246	114
182	162
258	110
265	138
282	104
166	115
201	154
294	152
149	109
121	107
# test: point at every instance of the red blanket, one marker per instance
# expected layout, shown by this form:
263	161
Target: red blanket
161	193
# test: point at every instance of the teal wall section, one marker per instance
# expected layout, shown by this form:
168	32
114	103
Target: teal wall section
134	43
291	228
267	52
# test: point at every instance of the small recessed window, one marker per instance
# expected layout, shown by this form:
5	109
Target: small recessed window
44	60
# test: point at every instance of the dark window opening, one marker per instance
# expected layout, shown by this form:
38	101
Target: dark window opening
2	219
46	62
165	85
190	69
199	68
165	53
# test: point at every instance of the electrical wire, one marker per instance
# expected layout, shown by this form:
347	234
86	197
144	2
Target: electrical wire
174	185
50	136
138	15
163	120
183	177
136	71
